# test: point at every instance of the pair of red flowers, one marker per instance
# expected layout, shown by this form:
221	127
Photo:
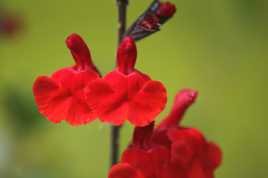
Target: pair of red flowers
169	150
79	94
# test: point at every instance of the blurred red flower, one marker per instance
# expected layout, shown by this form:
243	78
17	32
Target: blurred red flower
126	93
10	23
169	150
61	96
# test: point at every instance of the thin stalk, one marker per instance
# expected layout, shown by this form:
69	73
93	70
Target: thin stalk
115	130
122	18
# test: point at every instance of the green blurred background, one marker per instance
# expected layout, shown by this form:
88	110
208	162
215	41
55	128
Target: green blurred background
218	47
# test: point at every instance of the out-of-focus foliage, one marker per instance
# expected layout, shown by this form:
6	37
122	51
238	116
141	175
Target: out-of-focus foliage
22	111
217	47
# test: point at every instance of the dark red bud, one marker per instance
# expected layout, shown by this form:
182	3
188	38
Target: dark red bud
80	51
166	9
126	56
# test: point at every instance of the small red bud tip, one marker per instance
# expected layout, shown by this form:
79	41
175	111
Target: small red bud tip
126	56
166	9
183	100
80	51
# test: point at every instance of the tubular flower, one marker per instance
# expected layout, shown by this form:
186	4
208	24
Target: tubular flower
126	93
169	150
61	95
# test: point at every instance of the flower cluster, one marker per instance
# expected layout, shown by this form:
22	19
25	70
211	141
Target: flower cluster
169	150
78	94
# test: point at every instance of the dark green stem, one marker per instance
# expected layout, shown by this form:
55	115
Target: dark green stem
115	130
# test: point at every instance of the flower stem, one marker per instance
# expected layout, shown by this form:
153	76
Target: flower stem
115	134
122	17
115	130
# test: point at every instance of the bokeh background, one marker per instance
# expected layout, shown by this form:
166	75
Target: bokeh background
218	47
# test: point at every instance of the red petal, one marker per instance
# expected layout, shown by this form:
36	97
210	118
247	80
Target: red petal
64	76
81	79
135	82
50	100
214	155
160	157
80	112
196	171
74	80
44	87
124	170
172	171
140	160
147	104
107	103
190	135
182	153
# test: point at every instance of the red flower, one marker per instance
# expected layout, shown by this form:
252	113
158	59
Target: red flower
61	96
169	150
126	93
